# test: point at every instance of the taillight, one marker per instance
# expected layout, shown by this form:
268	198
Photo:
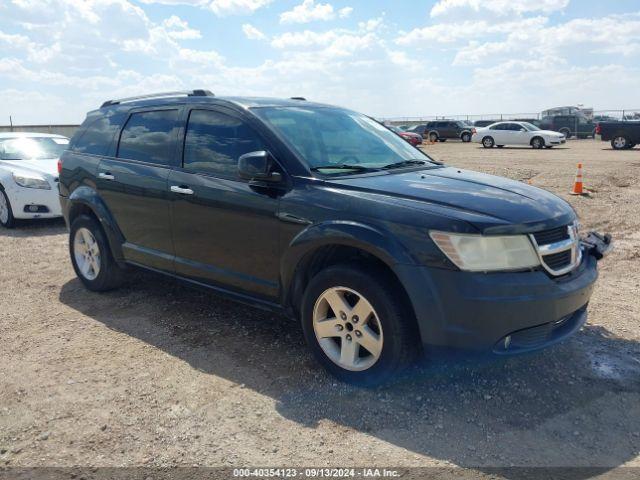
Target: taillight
598	129
59	166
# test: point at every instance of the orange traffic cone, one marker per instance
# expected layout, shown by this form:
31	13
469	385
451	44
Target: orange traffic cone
577	184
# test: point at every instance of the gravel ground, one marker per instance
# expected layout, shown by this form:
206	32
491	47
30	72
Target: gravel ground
157	374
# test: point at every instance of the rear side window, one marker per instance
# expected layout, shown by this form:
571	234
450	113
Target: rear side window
95	135
150	137
214	142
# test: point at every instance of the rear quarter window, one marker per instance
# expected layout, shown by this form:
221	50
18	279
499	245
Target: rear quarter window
96	135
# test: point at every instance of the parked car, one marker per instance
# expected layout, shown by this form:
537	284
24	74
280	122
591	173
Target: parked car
443	130
622	135
414	139
484	123
29	176
516	133
569	125
380	251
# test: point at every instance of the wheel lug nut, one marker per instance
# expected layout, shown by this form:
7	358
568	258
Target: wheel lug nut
349	337
343	315
358	333
355	319
340	328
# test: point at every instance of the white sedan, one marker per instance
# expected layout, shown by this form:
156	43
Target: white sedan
29	175
516	133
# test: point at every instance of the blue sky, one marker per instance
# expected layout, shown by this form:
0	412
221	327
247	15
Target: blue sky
61	58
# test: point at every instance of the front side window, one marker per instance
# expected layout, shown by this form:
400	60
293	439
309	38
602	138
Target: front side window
326	137
214	142
96	135
32	148
150	137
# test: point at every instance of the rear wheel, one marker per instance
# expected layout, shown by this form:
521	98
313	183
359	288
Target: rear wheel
357	325
466	137
619	142
488	142
537	142
6	213
566	132
91	256
433	137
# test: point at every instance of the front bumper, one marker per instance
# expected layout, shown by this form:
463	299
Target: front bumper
479	311
27	203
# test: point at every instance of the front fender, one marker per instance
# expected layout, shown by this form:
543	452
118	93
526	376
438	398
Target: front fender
372	240
86	197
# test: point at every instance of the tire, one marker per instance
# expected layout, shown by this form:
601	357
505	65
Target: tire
500	146
93	263
7	219
442	140
549	147
566	132
488	142
537	142
433	137
391	328
465	137
619	142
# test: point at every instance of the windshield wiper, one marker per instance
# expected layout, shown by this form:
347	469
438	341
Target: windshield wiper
343	166
405	163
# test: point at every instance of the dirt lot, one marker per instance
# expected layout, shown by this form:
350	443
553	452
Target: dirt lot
158	374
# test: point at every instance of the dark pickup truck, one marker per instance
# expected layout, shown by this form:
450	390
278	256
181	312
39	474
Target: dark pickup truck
622	135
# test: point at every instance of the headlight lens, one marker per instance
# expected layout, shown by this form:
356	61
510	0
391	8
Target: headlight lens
478	253
31	182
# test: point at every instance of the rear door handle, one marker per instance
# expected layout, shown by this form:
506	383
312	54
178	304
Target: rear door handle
181	190
106	176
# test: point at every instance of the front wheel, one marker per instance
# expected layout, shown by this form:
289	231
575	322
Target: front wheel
6	213
357	325
537	143
488	142
91	256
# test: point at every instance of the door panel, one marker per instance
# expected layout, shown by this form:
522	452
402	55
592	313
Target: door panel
137	198
225	233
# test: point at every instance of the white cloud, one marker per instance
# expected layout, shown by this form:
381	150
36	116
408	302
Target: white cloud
499	7
252	33
308	11
237	7
345	12
179	29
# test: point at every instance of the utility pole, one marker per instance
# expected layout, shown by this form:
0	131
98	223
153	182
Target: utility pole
10	124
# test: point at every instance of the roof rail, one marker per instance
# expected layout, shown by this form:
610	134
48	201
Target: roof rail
299	98
188	93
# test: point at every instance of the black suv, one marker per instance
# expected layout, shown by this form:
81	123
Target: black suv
327	216
442	130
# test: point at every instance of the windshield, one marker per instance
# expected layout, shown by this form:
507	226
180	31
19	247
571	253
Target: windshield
529	126
331	136
32	148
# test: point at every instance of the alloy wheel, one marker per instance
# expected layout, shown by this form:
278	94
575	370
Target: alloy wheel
619	142
347	328
87	253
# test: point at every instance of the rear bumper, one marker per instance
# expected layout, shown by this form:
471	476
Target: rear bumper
479	311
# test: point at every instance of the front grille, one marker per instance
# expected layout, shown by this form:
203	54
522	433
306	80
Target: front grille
558	261
558	248
552	236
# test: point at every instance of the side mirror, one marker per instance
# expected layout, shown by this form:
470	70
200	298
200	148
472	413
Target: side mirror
257	166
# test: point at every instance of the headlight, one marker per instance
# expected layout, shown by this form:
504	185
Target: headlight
31	182
478	253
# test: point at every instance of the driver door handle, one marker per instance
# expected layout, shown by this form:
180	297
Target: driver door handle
106	176
181	190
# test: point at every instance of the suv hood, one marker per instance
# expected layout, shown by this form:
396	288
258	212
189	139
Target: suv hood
47	166
483	200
